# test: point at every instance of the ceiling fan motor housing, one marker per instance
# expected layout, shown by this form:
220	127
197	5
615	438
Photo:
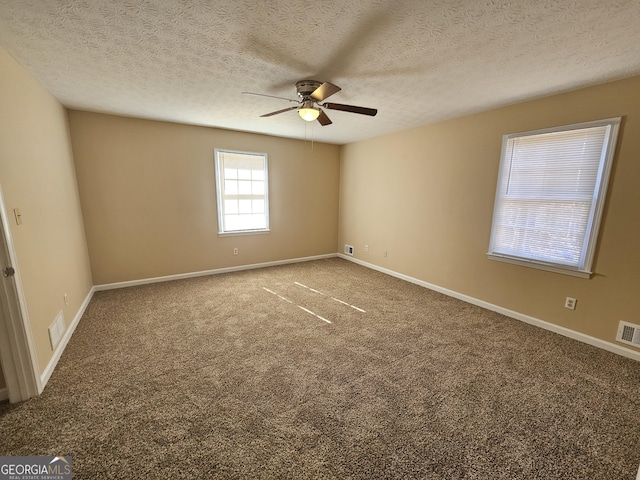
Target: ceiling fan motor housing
306	87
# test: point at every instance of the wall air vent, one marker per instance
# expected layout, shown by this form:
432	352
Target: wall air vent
629	333
56	330
348	249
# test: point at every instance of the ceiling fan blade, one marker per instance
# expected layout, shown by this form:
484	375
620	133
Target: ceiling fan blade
270	96
324	119
351	108
279	111
324	91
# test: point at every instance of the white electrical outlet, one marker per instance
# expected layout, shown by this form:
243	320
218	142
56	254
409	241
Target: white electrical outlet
366	248
235	251
66	299
570	303
385	253
348	249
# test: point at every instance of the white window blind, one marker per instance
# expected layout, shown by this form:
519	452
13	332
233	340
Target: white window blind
550	193
242	193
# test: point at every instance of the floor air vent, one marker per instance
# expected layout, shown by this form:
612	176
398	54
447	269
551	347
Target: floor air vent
629	333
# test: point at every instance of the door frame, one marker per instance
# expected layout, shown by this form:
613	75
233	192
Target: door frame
17	352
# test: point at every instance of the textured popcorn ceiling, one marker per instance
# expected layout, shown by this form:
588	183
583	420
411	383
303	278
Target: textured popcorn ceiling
416	61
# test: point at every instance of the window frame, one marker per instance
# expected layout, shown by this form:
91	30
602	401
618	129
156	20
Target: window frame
219	174
584	269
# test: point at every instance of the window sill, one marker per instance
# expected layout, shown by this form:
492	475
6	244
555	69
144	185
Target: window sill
540	265
238	233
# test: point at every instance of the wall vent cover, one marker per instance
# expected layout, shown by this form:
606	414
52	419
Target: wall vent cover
56	330
629	333
348	249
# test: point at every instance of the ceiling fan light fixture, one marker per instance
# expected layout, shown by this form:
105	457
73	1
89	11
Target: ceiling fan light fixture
312	96
308	114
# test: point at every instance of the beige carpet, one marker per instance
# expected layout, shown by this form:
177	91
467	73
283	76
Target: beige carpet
228	376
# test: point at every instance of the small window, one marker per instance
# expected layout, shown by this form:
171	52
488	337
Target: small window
242	192
550	196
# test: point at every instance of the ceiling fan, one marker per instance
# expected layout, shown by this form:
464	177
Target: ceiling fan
312	93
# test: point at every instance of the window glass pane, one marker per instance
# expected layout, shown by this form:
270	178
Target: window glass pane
555	165
244	187
230	187
250	222
244	174
257	188
257	174
231	173
545	231
258	221
242	222
231	223
258	206
244	206
230	207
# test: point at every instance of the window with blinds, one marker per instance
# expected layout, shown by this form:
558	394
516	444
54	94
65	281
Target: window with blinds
242	193
550	195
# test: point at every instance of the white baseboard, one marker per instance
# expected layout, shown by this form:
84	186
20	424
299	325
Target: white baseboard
203	273
4	394
46	374
581	337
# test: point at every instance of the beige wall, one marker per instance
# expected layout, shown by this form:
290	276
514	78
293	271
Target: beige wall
148	197
37	176
426	196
